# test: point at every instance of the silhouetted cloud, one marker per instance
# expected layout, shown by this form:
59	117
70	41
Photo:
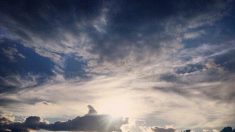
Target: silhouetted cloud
158	129
91	111
227	129
90	122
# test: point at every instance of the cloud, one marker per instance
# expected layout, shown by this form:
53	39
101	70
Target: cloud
225	60
189	68
227	129
22	68
104	37
138	125
89	122
157	129
193	35
91	111
108	34
12	53
163	58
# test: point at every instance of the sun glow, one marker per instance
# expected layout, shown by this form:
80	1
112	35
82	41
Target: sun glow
116	106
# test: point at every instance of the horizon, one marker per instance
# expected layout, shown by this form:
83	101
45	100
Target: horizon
93	122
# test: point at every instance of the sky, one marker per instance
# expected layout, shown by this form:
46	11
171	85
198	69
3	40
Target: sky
162	64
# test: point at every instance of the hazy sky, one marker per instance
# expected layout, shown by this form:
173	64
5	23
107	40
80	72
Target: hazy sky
169	63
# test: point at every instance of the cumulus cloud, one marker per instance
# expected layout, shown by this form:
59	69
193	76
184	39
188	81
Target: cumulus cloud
89	122
138	125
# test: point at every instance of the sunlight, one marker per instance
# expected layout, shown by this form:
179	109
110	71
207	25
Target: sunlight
116	106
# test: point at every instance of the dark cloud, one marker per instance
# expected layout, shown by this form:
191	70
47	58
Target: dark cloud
4	120
43	17
191	74
5	101
227	129
26	59
157	129
91	111
141	24
169	77
189	68
89	122
132	17
128	25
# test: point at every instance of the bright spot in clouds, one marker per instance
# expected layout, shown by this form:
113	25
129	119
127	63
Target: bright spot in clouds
116	105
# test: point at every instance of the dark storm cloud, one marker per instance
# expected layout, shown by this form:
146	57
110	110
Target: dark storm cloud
89	122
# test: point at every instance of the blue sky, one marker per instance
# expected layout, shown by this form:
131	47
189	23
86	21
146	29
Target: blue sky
166	63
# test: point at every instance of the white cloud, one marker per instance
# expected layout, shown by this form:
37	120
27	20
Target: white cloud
193	35
12	53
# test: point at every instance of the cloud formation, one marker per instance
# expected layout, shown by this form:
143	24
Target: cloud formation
89	122
157	129
157	60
